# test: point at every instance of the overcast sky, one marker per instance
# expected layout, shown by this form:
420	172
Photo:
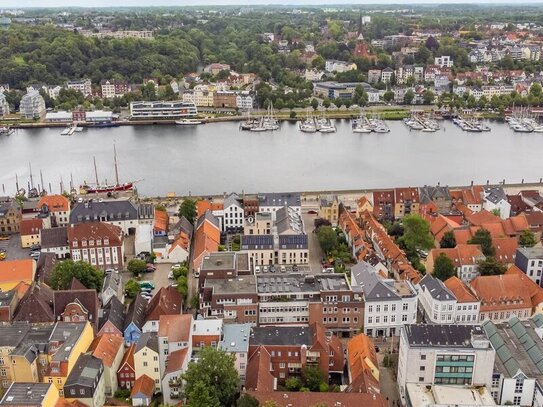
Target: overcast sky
129	3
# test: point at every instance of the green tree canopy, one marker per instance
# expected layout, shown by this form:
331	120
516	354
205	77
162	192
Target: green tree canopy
136	266
188	210
132	288
527	239
483	238
247	401
313	377
215	371
65	271
417	232
491	267
327	238
448	241
443	267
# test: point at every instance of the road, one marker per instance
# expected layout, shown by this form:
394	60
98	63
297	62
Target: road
315	252
13	248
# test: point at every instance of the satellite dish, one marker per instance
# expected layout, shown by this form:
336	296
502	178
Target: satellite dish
250	219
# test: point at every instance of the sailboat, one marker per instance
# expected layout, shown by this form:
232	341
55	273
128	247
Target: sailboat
104	188
308	125
324	125
361	125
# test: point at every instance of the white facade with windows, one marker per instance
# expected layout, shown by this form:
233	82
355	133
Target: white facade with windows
437	302
162	110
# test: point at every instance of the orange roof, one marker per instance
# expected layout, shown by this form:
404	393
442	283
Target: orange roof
502	292
21	289
30	227
55	203
496	229
484	216
442	225
176	360
506	249
409	194
161	221
106	347
128	357
205	205
17	270
515	224
363	365
183	241
62	402
312	399
461	255
206	239
176	328
536	292
462	236
460	290
143	385
464	209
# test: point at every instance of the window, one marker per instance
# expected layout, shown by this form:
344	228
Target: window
516	400
422	368
72	392
421	379
422	357
519	385
281	365
405	306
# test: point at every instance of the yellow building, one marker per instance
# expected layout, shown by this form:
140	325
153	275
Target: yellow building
68	341
363	205
146	360
329	209
30	232
10	216
12	272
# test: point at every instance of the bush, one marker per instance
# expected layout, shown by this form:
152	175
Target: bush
122	394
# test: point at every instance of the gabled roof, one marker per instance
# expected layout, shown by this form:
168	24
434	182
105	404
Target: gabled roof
176	328
87	298
507	291
113	312
36	306
461	255
147	340
54	237
136	312
258	376
460	291
117	210
30	227
55	203
167	301
106	347
161	221
17	270
86	371
144	386
96	230
311	399
436	288
128	358
176	360
482	217
363	365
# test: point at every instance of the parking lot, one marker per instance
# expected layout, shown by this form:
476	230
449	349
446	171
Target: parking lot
159	277
13	248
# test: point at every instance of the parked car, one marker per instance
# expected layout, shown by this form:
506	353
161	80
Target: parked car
35	247
197	274
2	256
175	267
148	284
257	269
294	268
265	269
272	269
35	255
283	269
170	275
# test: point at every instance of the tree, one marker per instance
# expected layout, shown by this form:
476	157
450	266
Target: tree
327	238
188	210
247	401
202	396
314	103
483	238
136	267
408	97
65	271
448	241
216	371
417	232
293	383
443	267
432	44
490	267
527	239
428	96
313	377
388	96
132	288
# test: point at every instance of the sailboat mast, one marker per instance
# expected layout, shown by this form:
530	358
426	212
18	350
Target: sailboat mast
95	171
42	184
31	179
116	169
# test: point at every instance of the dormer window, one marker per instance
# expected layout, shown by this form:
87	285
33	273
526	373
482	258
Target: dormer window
106	242
91	242
74	243
84	243
99	242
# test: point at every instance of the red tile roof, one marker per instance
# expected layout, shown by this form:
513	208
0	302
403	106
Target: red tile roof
96	230
167	301
128	357
17	270
404	194
182	240
176	360
363	365
311	399
30	227
461	255
176	328
482	217
161	221
258	375
460	290
106	347
205	205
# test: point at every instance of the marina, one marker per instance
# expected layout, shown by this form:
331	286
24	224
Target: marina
221	157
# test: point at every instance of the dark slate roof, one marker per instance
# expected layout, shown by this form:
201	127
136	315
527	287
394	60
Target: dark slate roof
6	297
281	335
447	336
279	199
374	288
35	342
232	199
86	371
146	211
149	339
54	237
46	264
25	394
114	312
88	298
183	225
436	288
136	312
114	211
12	335
36	306
251	242
429	193
495	194
293	242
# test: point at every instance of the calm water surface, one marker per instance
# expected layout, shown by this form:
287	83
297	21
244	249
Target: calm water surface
217	158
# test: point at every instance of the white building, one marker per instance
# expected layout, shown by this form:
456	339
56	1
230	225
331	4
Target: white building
174	333
244	101
494	198
530	261
518	375
32	105
454	355
437	302
162	110
444	61
4	105
272	202
235	340
386	75
84	86
388	304
313	75
233	213
333	65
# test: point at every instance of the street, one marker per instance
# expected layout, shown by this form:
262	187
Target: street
315	252
13	248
